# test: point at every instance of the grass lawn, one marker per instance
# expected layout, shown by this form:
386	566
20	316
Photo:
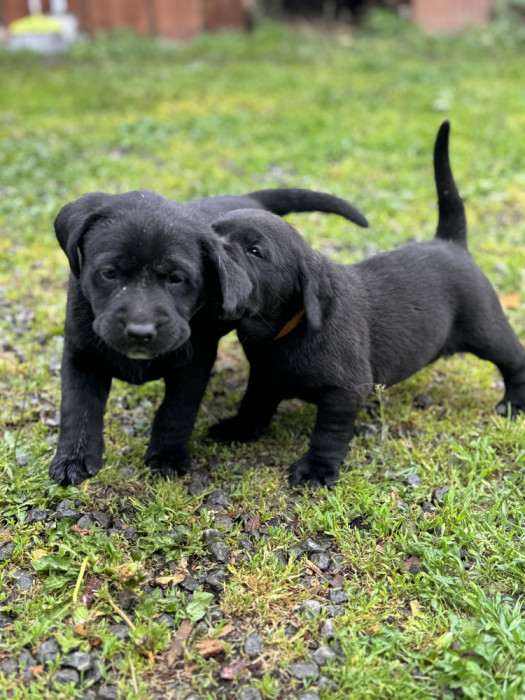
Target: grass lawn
228	584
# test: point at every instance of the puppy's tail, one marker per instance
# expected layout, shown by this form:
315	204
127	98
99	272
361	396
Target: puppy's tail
283	201
452	222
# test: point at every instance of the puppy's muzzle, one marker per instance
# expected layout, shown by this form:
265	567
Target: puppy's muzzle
140	333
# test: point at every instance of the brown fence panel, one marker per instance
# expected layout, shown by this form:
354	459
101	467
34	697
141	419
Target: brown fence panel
11	10
450	15
225	13
178	19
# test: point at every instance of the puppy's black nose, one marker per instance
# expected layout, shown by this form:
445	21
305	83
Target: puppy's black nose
141	332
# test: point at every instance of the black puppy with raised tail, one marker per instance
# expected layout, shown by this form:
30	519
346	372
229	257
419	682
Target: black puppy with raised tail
149	282
329	333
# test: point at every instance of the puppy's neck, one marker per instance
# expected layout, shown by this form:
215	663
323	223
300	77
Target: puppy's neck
267	328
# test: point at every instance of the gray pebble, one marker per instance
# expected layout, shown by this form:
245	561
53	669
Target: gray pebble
66	509
211	535
303	670
246	545
22	460
223	522
79	660
26	660
24	580
216	579
103	519
48	651
85	522
249	694
413	479
167	620
120	631
130	534
321	559
190	584
424	401
35	516
6	552
328	630
219	552
253	644
310	545
323	655
309	695
107	692
281	556
94	674
127	599
338	596
219	497
310	608
215	614
439	493
334	610
296	552
8	667
66	676
325	683
291	630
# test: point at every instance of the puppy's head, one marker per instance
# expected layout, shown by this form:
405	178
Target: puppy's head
284	270
146	268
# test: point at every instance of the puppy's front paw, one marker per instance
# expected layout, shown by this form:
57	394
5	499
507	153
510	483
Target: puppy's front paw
234	430
73	468
169	465
312	472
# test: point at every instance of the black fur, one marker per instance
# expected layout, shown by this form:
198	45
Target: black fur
149	291
376	322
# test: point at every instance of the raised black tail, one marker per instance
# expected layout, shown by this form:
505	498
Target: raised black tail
452	222
282	201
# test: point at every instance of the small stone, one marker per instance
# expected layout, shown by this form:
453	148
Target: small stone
407	527
219	497
127	599
310	608
413	479
94	674
120	631
323	655
24	580
211	535
66	509
321	559
427	507
6	552
310	545
325	683
85	522
102	519
167	620
334	610
338	596
66	676
26	660
223	522
130	534
8	667
107	692
281	557
219	552
35	516
423	401
296	552
216	579
302	671
309	695
328	630
290	631
215	614
246	545
366	429
253	644
79	660
200	479
250	693
190	584
48	651
439	494
22	460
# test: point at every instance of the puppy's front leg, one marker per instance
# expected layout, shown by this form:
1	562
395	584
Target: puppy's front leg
258	405
85	389
333	430
168	453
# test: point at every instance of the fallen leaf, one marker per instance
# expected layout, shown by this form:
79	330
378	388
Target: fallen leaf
82	531
164	581
96	642
209	647
337	581
375	629
182	635
81	629
229	672
379	549
92	585
227	629
510	301
253	524
415	609
36	670
410	562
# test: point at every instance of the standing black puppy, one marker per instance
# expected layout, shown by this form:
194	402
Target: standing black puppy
328	333
149	282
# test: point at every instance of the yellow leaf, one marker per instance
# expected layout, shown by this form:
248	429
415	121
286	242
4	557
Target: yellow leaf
510	301
164	581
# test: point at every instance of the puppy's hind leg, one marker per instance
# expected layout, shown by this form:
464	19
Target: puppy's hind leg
258	405
333	430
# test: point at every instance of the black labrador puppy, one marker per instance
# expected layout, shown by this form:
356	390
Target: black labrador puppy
329	333
148	288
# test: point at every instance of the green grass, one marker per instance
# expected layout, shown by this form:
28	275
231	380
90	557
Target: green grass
355	115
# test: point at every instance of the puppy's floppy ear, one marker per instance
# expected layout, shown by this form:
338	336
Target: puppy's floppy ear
234	283
72	222
317	292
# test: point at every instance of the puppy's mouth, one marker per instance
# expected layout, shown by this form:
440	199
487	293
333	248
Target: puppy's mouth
142	341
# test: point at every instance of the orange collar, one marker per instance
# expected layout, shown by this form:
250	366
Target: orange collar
290	325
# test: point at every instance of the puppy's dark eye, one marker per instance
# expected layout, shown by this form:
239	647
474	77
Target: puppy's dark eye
175	278
255	251
109	273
